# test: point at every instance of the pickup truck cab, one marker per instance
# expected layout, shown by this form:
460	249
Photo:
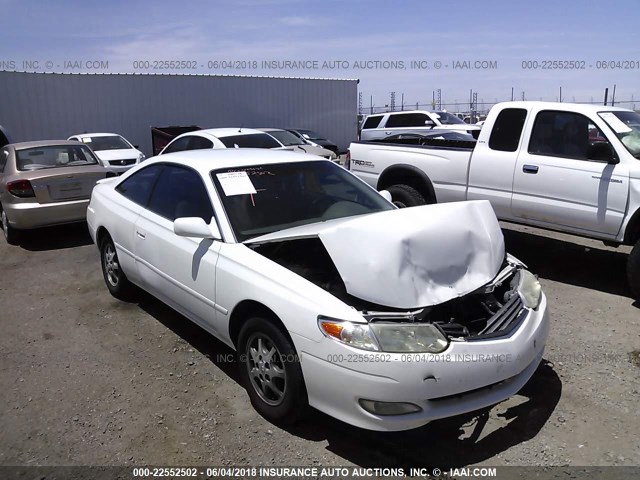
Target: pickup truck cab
380	125
566	167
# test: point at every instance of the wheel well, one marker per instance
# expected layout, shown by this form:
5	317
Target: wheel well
632	232
407	175
245	310
101	234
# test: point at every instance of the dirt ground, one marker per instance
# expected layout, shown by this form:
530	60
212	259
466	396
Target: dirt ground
88	380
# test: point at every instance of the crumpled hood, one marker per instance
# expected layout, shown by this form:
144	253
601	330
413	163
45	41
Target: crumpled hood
412	257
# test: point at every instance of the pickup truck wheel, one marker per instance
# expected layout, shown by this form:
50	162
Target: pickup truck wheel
633	271
11	235
117	282
270	371
404	196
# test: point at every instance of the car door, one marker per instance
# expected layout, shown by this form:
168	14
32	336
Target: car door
493	161
135	192
179	270
568	178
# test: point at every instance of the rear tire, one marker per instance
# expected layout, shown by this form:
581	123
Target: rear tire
404	196
11	234
633	271
270	372
114	277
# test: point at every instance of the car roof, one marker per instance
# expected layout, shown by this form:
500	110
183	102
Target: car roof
267	130
212	159
223	132
571	107
45	143
95	135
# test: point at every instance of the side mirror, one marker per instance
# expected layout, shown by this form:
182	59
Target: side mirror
136	146
196	227
386	195
430	123
602	151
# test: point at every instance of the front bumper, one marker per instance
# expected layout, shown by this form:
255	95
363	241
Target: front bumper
34	215
468	376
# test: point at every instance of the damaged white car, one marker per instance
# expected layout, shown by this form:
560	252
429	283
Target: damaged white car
332	297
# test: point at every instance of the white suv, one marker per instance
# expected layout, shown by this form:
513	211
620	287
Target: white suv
381	125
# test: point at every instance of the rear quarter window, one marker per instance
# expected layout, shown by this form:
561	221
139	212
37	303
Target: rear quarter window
138	186
507	130
372	122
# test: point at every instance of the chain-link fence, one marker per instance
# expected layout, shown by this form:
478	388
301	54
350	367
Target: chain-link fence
478	111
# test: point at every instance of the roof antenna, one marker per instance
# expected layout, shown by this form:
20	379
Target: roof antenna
240	129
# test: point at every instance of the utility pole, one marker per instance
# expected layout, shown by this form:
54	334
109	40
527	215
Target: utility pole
613	95
439	99
371	100
359	103
606	95
402	102
560	94
512	94
523	95
392	104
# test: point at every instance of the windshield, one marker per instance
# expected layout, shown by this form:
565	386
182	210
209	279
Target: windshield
250	140
54	157
267	198
111	142
626	126
309	135
447	118
286	138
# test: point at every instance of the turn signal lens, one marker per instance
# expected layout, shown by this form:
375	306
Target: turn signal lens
354	334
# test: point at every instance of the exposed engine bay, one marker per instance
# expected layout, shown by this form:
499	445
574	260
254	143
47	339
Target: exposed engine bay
491	311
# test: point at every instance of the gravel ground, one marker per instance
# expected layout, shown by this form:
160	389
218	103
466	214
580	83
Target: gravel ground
89	380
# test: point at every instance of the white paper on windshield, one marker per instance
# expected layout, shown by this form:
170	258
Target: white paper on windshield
236	183
614	122
86	139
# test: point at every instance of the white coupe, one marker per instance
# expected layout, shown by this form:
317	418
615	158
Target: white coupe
384	318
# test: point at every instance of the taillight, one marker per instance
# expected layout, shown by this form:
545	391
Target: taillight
347	160
21	189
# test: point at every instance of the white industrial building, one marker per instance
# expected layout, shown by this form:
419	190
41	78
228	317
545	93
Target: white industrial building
43	106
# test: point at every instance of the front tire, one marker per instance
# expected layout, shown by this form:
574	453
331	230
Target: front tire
633	271
114	277
404	196
271	373
11	235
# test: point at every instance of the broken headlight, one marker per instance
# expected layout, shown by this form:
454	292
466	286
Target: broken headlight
529	289
390	337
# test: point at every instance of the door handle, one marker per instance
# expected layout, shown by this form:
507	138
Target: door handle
388	133
530	169
141	235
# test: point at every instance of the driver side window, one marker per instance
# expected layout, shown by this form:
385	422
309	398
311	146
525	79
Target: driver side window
568	135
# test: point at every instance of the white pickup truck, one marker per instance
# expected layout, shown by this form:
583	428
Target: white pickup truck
566	167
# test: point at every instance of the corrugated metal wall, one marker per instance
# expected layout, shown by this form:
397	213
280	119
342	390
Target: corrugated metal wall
39	106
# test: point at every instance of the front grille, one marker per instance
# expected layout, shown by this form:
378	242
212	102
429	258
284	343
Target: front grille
120	163
505	321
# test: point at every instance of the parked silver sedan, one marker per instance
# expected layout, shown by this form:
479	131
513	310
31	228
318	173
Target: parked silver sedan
46	183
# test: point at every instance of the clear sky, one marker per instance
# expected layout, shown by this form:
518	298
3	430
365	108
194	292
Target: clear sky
238	37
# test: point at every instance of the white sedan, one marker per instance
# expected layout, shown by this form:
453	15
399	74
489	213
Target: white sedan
115	151
332	297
